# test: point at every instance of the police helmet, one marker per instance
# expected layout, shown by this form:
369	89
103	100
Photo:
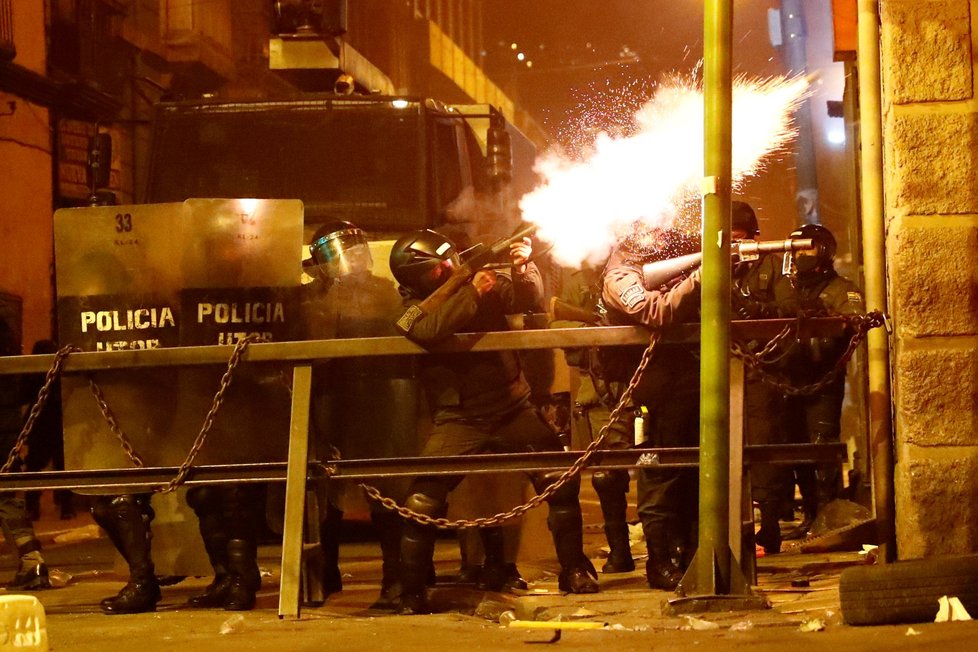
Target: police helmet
339	248
742	218
422	260
825	247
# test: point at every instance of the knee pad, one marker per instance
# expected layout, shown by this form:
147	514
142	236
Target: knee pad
102	510
131	506
205	499
424	504
613	481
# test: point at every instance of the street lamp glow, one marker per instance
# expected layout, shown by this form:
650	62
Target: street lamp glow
835	136
520	56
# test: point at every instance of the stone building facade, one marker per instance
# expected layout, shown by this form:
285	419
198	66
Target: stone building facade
930	140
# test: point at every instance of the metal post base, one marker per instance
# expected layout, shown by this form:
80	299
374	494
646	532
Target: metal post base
713	583
714	603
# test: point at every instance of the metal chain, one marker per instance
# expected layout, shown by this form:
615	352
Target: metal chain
859	324
178	479
113	424
519	510
42	398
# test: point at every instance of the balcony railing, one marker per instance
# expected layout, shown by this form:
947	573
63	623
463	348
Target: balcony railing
7	49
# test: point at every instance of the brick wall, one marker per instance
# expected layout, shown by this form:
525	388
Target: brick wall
930	125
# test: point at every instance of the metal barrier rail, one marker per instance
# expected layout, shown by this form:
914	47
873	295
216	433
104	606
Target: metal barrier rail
369	469
313	350
297	471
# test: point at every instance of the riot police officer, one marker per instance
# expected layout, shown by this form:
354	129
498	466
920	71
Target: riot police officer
355	399
753	298
669	390
479	401
32	572
593	400
813	287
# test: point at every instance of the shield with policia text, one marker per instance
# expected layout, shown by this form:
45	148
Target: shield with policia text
200	272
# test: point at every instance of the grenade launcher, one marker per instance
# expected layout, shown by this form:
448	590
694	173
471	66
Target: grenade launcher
661	272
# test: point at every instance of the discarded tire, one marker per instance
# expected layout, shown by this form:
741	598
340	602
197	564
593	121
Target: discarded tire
907	591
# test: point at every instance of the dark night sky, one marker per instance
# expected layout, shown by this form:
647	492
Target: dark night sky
667	36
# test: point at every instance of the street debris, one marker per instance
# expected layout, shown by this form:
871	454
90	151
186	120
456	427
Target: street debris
950	609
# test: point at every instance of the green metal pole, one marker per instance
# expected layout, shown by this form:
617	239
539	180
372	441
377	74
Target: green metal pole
713	555
874	271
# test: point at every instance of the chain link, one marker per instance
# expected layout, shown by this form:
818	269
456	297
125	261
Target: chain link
565	477
858	324
42	398
178	479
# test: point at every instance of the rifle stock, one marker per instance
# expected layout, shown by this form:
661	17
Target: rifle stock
561	310
462	275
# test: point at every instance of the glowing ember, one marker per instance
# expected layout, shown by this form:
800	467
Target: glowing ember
587	202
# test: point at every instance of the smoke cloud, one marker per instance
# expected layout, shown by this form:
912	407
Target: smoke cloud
648	177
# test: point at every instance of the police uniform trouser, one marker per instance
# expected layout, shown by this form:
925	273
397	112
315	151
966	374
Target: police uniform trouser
763	405
521	431
611	486
668	498
127	519
229	517
816	419
17	528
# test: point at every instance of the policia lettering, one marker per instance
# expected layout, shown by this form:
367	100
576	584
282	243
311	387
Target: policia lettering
122	321
241	313
127	320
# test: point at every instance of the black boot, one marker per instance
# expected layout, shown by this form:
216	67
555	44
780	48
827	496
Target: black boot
497	574
660	571
206	503
577	574
329	543
244	577
620	549
32	573
612	489
769	534
388	527
417	549
132	516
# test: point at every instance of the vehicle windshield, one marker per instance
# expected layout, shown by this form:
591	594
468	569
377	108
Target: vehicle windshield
342	159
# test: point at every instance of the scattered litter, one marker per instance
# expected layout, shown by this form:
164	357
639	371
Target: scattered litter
74	535
583	613
801	583
698	624
59	577
950	609
742	626
833	617
812	625
869	552
618	627
912	632
264	572
233	624
506	617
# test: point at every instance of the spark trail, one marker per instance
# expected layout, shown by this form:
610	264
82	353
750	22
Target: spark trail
584	204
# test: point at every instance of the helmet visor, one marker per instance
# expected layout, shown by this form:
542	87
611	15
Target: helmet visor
341	253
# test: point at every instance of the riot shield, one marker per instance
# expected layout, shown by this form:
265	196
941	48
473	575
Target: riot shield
198	272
